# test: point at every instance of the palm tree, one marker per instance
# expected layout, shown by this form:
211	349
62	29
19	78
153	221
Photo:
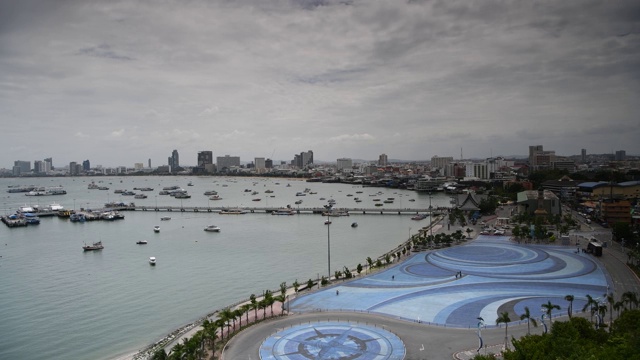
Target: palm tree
569	298
268	297
245	309
527	315
589	305
210	329
237	313
504	318
296	286
602	311
611	302
469	231
549	308
630	298
225	315
254	305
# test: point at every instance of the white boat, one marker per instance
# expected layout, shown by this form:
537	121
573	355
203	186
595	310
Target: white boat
152	260
156	228
283	212
165	218
212	228
56	207
215	197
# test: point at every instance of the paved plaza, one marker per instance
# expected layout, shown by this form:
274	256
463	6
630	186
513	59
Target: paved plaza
454	286
428	305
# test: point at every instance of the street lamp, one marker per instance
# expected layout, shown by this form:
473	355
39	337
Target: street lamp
328	247
430	217
542	320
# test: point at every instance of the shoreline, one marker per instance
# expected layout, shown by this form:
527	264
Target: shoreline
188	330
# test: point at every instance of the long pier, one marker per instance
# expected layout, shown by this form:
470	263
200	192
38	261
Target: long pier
302	210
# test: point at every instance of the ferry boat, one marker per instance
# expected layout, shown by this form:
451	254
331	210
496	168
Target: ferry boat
41	191
94	246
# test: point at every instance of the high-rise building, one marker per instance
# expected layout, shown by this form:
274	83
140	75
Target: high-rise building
268	164
440	163
205	157
344	164
73	168
86	165
539	158
38	167
50	162
383	160
224	163
25	166
621	155
583	155
175	161
149	163
260	164
305	159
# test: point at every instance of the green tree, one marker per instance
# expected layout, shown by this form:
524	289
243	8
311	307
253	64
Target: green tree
159	355
530	320
296	286
254	305
468	231
504	318
548	307
591	304
570	299
309	284
359	268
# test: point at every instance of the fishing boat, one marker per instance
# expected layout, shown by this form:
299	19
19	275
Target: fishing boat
94	246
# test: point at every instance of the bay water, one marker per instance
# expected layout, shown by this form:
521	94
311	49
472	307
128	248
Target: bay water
58	302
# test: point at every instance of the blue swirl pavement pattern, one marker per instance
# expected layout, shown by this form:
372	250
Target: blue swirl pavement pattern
330	340
497	275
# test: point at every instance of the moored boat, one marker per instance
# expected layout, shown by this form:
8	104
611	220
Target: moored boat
354	224
95	246
165	218
152	261
232	212
142	242
212	228
156	229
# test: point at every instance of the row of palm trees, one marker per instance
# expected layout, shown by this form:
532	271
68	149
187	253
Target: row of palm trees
628	301
224	325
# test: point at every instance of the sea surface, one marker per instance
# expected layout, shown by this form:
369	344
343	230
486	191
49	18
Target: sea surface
58	302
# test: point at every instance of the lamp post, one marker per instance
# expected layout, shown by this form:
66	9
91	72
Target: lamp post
542	320
328	248
430	218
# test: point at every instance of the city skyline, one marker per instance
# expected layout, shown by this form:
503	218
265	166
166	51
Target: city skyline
135	80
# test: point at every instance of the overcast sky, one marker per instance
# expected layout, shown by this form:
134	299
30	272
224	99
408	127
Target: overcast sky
120	82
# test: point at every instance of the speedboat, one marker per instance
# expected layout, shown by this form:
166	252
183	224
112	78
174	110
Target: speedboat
212	228
156	228
152	261
142	242
95	246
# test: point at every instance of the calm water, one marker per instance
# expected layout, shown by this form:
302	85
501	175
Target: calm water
58	302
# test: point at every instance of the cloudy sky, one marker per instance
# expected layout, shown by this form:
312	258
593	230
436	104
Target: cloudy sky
120	82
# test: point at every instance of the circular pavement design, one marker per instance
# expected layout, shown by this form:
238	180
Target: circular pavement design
333	341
